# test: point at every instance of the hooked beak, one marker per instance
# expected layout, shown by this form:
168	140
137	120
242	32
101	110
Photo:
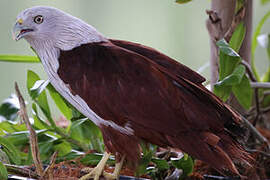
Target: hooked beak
19	30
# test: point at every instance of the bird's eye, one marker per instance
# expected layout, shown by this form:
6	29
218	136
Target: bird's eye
38	19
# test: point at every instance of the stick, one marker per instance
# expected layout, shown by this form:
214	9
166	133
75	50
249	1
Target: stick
48	171
32	136
263	85
21	171
255	132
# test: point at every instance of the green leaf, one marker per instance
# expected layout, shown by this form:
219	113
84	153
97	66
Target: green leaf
38	122
70	156
87	132
185	163
41	99
38	88
60	102
255	43
223	92
228	59
182	1
9	108
46	149
145	160
10	127
234	78
229	71
266	76
18	58
18	138
148	152
238	37
243	92
161	163
62	148
10	150
226	49
3	172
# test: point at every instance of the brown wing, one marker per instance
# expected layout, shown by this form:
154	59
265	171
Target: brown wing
170	64
159	104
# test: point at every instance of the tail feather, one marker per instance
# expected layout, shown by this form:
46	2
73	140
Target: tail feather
217	150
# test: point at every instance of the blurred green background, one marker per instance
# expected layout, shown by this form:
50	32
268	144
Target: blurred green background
176	30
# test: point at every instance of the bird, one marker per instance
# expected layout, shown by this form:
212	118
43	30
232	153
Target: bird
132	92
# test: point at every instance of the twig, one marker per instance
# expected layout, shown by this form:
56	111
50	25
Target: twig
266	110
249	71
21	171
47	172
256	91
266	93
255	132
263	85
238	18
32	136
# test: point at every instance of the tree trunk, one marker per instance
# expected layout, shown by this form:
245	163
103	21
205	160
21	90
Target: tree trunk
221	24
220	20
245	50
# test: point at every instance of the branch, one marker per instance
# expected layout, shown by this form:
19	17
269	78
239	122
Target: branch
47	173
220	19
263	85
21	171
32	136
249	71
255	132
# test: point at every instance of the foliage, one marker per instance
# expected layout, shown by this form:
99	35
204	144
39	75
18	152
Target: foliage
9	108
3	172
232	77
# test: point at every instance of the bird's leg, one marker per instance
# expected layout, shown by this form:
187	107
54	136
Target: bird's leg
95	173
116	172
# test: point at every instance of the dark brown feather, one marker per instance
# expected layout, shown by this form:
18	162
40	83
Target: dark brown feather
160	99
161	59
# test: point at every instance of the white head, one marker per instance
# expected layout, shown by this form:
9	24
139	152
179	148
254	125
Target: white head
47	27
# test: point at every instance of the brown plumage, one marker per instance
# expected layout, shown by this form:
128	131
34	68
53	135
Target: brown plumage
162	100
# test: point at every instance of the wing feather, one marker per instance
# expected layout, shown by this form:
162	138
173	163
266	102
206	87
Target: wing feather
160	102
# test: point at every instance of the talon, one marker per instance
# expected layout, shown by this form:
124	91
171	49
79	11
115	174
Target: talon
116	172
96	172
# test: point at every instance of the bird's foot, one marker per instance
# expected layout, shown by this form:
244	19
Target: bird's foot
95	173
116	172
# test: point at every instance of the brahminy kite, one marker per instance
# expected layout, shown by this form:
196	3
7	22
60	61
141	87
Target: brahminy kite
132	92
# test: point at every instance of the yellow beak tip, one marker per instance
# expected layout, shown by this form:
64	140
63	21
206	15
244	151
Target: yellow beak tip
20	21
